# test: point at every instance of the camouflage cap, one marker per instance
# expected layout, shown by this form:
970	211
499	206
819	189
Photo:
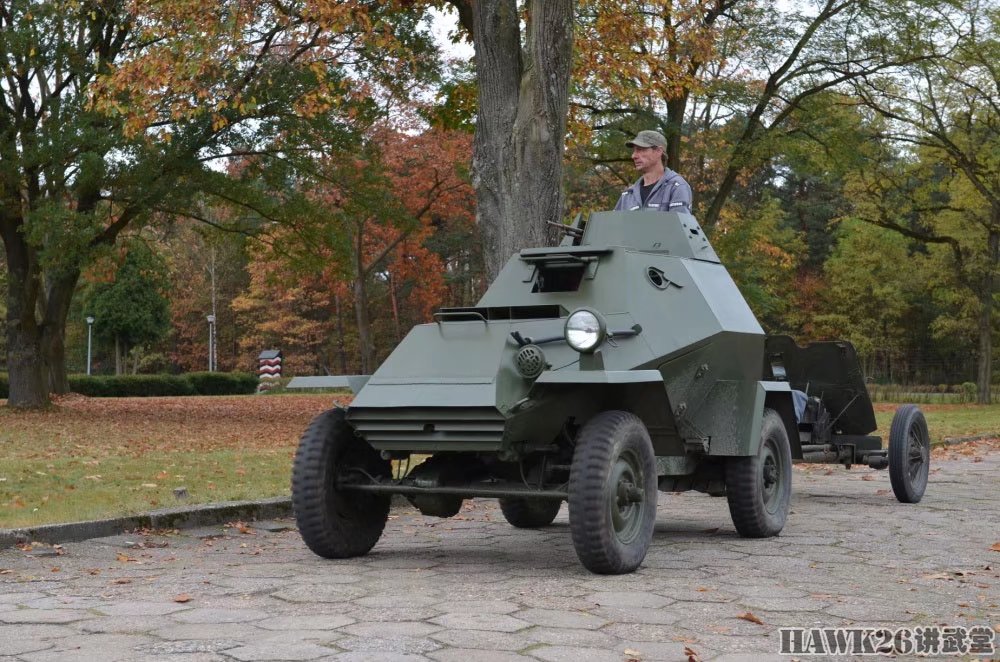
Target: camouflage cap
648	139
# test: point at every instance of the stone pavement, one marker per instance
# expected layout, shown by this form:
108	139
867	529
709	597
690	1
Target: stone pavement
474	588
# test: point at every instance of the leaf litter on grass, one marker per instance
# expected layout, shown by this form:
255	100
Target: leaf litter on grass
87	458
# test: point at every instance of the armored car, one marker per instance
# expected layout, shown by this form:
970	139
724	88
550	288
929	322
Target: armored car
622	362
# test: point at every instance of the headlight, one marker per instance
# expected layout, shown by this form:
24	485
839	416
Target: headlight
585	330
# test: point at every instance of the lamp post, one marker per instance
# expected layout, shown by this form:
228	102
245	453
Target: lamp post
90	335
211	343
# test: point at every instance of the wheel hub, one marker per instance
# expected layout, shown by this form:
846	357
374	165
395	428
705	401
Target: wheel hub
625	497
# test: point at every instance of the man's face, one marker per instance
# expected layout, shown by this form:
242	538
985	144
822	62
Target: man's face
646	158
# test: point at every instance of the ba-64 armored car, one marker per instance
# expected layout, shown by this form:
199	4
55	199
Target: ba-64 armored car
622	362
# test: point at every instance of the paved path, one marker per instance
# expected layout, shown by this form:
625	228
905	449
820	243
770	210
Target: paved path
473	588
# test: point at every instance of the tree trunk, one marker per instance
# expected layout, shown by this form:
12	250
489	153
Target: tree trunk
58	296
985	372
340	336
675	123
521	124
25	367
395	309
365	346
118	356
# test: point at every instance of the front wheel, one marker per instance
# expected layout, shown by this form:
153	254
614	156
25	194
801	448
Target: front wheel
612	493
909	454
759	487
336	524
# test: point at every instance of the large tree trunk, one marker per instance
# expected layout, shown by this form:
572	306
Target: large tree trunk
58	296
25	365
985	372
521	125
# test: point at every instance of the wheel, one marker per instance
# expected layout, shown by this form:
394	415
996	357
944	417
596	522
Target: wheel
759	487
336	524
612	493
909	454
530	513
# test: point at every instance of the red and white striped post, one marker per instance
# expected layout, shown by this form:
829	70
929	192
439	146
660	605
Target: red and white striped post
268	369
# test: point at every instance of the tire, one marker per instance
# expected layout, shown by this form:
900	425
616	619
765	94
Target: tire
335	524
612	493
759	487
530	513
909	454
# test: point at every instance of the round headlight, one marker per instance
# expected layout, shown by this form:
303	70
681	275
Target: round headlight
585	330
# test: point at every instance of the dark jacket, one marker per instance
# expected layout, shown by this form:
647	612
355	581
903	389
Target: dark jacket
671	193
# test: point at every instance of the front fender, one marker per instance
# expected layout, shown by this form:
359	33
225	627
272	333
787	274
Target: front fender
582	394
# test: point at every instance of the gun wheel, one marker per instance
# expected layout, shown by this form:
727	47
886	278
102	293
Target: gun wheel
612	493
909	454
529	513
336	524
759	487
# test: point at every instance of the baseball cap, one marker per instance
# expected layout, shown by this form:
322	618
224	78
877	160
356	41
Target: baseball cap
648	139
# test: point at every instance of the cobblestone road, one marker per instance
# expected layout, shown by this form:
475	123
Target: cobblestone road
473	588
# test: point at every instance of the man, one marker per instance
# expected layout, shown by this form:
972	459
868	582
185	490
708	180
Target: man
659	187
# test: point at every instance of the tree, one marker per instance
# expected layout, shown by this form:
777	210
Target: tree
869	301
208	270
523	80
363	235
132	310
110	111
724	79
948	111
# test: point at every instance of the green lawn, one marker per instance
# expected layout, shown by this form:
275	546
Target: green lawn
947	421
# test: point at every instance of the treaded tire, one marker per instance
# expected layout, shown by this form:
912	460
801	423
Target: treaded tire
612	493
759	487
909	454
530	513
335	524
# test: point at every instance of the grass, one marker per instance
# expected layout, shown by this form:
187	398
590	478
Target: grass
947	421
88	458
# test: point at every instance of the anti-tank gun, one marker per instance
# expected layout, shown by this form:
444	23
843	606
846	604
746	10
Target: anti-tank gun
621	362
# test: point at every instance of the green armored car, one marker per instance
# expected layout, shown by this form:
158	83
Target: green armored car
622	362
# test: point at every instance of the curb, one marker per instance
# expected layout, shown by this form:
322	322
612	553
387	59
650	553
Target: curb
167	518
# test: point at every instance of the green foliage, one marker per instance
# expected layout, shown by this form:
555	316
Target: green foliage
222	383
871	287
137	386
970	391
125	386
133	310
761	253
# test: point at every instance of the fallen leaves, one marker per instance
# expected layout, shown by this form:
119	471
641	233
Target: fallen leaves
692	655
182	598
748	616
996	547
241	527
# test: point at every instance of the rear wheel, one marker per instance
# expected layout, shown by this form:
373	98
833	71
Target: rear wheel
333	523
909	454
612	493
530	513
759	488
